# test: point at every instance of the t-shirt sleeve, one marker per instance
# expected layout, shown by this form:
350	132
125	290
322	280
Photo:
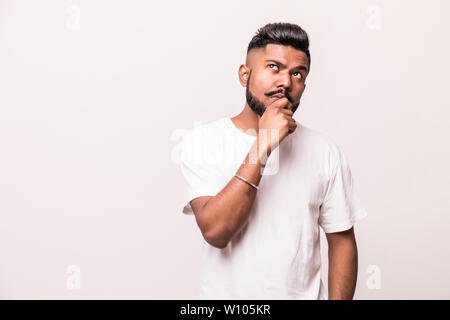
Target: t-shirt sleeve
341	206
202	176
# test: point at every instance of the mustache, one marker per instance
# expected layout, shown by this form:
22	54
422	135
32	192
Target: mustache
285	93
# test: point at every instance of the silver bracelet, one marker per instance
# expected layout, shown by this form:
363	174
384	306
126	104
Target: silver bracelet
245	180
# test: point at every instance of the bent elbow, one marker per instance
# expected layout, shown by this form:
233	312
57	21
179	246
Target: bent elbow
216	241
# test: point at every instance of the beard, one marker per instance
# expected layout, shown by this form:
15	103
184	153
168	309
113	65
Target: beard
257	106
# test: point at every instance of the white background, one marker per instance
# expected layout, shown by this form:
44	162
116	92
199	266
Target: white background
94	96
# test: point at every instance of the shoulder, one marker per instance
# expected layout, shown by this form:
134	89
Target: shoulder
318	139
321	147
203	133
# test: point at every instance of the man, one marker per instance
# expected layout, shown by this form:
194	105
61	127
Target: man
260	213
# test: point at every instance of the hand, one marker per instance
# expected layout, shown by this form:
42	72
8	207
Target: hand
277	117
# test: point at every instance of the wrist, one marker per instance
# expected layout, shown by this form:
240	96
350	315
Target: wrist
264	150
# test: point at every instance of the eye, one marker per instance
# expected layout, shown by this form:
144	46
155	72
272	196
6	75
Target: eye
300	75
272	65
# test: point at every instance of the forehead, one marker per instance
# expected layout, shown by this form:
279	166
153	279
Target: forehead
284	54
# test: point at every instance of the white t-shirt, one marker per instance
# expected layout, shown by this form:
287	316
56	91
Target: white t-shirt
307	183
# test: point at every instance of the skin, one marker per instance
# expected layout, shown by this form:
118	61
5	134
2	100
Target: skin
342	264
262	78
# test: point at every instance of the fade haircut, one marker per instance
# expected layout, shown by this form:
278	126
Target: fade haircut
282	33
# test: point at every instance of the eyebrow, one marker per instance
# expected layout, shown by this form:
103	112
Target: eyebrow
301	67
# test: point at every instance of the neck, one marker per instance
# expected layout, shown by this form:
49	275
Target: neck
247	120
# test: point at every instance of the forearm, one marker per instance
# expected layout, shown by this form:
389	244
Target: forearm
342	270
228	211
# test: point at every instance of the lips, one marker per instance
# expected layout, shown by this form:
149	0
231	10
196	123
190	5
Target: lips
276	96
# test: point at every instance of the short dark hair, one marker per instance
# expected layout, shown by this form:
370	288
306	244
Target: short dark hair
283	33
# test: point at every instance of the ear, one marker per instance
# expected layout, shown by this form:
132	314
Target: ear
243	74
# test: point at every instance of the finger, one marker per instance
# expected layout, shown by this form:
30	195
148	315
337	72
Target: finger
280	103
288	115
292	121
287	112
292	127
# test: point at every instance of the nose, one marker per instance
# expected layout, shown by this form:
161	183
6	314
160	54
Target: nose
284	81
